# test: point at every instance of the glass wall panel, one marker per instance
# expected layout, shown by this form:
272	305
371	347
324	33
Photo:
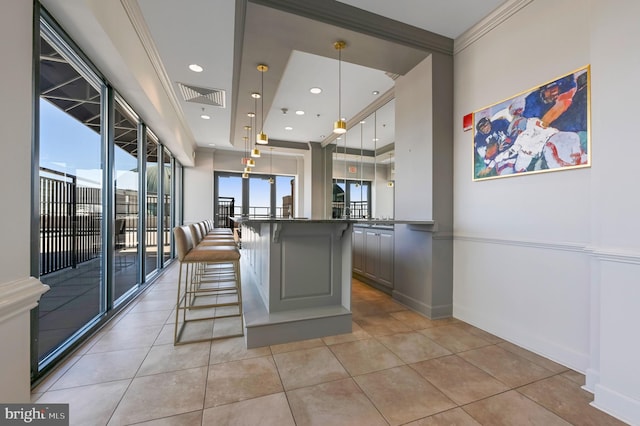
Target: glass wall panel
127	181
151	206
228	202
259	196
166	212
351	198
358	194
284	196
71	258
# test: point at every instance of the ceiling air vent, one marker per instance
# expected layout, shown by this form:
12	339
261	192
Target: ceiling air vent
202	95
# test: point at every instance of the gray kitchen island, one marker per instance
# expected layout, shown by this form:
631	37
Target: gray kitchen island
296	279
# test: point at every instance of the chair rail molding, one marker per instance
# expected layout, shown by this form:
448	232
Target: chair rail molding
543	245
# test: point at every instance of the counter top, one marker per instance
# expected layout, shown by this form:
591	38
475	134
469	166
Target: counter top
362	222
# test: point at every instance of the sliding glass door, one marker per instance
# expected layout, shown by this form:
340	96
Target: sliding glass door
105	200
71	210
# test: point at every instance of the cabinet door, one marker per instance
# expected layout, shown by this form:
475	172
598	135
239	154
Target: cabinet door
371	253
385	258
358	250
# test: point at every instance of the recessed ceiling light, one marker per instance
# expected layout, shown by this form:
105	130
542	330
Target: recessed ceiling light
255	95
299	112
288	128
196	68
212	144
375	139
205	116
362	122
251	114
375	92
315	90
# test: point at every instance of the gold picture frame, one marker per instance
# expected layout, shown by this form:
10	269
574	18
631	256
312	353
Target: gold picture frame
546	128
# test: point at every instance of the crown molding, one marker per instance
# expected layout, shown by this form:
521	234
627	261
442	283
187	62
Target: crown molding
494	19
134	13
346	16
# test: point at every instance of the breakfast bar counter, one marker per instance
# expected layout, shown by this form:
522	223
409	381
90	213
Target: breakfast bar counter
296	279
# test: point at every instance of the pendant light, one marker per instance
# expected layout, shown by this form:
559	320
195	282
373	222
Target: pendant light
262	138
375	150
255	152
246	157
271	179
390	181
340	126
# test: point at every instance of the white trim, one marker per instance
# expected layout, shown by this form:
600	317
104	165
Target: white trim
136	17
592	378
497	17
19	296
617	405
542	245
601	254
614	255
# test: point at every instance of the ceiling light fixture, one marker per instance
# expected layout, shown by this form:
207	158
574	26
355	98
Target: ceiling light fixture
315	90
262	138
288	128
196	68
255	152
299	112
245	158
204	116
339	126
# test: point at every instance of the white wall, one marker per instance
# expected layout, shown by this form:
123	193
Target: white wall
198	188
15	144
15	178
614	373
551	261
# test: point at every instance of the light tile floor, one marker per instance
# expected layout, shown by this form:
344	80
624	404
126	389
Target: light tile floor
396	367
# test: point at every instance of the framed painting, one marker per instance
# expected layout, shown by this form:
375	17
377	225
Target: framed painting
540	130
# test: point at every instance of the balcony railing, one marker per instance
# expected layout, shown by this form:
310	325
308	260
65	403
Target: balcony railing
71	221
356	210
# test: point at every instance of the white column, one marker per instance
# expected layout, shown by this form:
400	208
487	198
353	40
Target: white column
17	298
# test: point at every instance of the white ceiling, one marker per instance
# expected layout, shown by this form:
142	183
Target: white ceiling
299	53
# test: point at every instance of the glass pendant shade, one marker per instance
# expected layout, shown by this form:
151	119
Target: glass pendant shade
247	169
245	175
271	181
255	153
251	163
262	138
244	161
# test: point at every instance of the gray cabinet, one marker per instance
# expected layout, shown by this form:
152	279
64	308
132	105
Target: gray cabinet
358	250
373	250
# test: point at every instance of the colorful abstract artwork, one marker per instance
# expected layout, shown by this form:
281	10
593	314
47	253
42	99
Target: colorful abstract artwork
539	130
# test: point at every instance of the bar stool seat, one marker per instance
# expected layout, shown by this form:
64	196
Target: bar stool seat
209	289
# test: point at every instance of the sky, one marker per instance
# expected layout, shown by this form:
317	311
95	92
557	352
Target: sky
70	147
